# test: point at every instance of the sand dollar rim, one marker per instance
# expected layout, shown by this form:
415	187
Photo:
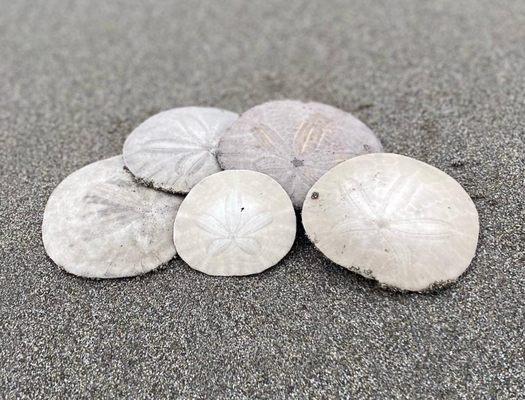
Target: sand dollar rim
235	223
175	149
99	223
294	142
392	218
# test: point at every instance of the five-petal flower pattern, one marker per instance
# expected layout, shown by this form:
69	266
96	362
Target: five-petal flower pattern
293	162
115	207
184	149
235	227
387	219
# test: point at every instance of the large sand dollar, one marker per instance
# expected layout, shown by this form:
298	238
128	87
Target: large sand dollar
99	223
175	149
235	223
294	142
394	219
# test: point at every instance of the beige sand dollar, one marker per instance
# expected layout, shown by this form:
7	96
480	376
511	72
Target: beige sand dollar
235	223
175	149
294	142
99	223
394	219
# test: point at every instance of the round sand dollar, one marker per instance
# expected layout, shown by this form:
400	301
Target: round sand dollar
394	219
175	149
99	223
294	142
235	223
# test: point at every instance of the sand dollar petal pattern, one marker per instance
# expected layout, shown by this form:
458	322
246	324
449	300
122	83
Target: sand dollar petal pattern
100	223
235	223
294	142
394	219
175	149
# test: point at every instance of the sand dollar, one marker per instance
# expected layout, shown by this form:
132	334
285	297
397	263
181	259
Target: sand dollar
394	219
235	223
175	149
294	142
99	223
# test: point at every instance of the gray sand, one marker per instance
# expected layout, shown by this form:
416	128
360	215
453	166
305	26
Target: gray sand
440	81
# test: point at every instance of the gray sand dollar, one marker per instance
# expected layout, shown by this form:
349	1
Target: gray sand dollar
175	149
294	142
394	219
99	223
235	223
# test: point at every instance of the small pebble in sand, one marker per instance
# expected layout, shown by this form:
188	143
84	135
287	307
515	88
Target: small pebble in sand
395	219
175	149
294	142
99	223
235	223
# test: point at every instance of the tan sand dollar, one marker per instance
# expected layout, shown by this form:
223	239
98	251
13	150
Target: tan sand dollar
175	149
294	142
235	223
394	219
99	223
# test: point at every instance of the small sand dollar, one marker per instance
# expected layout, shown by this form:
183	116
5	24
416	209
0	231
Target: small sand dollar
175	149
294	142
99	223
235	223
394	219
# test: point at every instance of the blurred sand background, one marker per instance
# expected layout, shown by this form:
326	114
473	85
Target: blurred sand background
442	81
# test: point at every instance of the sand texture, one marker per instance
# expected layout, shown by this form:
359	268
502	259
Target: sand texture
440	81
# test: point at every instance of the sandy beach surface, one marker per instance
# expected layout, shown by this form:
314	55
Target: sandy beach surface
440	81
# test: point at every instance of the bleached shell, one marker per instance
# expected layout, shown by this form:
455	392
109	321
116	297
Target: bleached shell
394	219
235	223
175	149
99	223
294	142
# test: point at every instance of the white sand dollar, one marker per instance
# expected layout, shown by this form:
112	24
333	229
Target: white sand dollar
175	149
294	142
394	219
235	223
99	223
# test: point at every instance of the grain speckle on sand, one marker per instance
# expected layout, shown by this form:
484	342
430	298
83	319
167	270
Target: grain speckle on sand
305	328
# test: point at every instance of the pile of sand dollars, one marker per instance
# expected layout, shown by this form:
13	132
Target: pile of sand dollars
222	191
